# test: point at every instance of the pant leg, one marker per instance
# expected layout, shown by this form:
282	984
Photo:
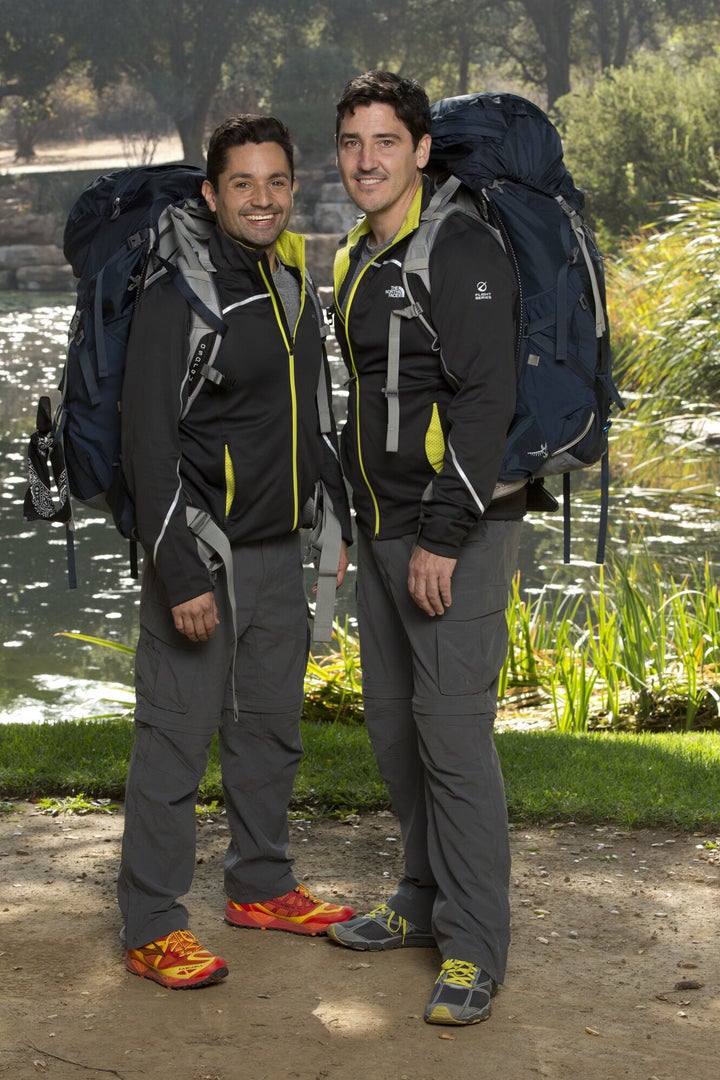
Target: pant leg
180	686
456	661
467	840
387	672
261	750
158	847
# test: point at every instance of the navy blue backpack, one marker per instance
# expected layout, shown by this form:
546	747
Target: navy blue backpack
499	157
113	231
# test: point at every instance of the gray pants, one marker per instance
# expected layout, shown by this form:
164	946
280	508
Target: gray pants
184	695
430	695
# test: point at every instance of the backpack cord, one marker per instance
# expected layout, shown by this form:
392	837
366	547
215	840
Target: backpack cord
604	506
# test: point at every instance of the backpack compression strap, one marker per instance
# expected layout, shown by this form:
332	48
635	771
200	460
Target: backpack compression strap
326	534
325	541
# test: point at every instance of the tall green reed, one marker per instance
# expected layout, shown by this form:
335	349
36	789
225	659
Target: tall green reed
637	641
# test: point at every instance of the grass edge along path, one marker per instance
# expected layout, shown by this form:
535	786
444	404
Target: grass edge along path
635	780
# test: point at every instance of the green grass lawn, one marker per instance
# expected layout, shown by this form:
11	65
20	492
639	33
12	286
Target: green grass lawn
666	779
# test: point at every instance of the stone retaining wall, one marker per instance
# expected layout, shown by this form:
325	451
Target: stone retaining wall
31	257
42	267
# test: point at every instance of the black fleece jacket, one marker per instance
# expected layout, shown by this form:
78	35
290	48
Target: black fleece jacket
456	401
250	451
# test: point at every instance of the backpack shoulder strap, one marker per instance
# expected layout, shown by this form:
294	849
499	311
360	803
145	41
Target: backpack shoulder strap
447	200
322	394
181	252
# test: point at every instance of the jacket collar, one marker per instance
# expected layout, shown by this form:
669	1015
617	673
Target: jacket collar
411	222
229	254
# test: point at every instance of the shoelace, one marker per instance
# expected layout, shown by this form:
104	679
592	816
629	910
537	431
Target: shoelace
459	973
383	911
302	891
184	944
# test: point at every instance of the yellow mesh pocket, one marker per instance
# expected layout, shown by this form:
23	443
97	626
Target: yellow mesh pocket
229	483
435	441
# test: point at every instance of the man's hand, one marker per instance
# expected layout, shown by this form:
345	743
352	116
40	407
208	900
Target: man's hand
342	564
197	618
429	578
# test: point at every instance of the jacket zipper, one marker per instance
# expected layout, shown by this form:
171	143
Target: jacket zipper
356	377
289	346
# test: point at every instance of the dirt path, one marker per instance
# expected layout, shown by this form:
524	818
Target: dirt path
606	926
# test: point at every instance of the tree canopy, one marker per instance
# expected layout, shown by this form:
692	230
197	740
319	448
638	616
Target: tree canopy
198	60
35	48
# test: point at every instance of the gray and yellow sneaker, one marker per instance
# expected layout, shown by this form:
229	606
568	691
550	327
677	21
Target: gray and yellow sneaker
462	994
381	928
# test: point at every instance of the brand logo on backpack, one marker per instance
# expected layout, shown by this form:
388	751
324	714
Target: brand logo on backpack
395	292
482	292
199	357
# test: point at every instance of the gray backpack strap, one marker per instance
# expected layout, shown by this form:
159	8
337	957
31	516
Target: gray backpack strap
323	403
326	534
416	261
215	551
323	398
325	541
576	224
191	227
203	341
182	252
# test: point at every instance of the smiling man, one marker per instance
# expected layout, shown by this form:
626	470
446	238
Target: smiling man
436	554
248	453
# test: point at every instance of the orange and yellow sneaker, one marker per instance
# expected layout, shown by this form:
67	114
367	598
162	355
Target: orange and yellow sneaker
177	961
298	911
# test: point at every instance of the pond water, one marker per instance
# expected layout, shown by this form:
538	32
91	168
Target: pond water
46	677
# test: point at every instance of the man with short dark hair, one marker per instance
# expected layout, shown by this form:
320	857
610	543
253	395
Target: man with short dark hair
248	454
436	554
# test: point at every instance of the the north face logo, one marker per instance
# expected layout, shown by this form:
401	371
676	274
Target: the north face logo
395	292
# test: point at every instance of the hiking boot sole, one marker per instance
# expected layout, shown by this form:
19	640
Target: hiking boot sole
268	922
138	968
441	1015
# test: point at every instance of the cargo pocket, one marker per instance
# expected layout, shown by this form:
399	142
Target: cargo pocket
155	679
472	652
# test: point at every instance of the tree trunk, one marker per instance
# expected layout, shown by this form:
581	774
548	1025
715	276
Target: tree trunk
552	20
464	66
191	129
25	134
